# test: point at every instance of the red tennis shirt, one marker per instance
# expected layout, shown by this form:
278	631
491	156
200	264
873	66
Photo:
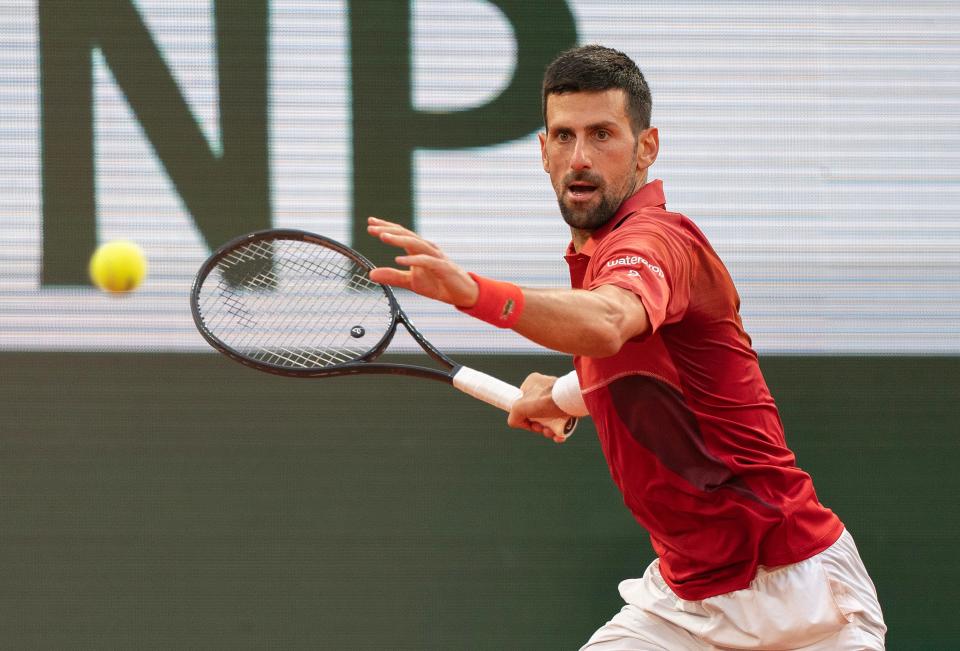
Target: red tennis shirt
688	427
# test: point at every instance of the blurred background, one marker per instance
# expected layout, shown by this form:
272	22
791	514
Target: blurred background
156	495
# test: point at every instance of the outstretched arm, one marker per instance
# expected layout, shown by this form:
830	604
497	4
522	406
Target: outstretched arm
578	322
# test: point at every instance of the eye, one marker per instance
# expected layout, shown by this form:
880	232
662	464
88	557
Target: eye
603	134
563	136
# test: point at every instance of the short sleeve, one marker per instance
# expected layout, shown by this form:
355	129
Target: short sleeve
649	264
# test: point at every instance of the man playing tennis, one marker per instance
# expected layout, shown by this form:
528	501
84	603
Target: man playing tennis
747	556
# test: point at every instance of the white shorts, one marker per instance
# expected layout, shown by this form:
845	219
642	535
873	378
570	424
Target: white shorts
826	602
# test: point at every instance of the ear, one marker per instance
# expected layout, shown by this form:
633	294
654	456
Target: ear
542	137
647	148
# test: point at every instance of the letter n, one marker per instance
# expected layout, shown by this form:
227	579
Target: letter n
227	194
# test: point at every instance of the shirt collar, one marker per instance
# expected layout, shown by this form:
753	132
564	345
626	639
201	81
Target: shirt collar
648	196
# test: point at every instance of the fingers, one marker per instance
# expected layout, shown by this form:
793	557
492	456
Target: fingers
399	236
421	255
376	222
412	244
517	420
521	418
534	426
390	276
546	432
404	277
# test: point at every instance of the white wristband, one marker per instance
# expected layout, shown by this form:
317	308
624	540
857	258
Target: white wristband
566	394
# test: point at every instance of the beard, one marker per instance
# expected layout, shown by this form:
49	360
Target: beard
590	219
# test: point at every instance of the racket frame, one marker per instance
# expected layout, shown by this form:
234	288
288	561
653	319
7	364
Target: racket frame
362	364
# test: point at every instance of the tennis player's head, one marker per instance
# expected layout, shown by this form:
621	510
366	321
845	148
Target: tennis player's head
598	142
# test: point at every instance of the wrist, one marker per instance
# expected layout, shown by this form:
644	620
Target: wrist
498	303
566	395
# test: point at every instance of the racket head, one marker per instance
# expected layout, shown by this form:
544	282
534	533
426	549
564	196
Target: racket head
293	303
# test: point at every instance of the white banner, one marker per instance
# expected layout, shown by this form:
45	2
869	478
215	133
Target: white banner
817	144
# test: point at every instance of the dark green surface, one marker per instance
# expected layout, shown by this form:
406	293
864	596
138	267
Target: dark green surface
182	501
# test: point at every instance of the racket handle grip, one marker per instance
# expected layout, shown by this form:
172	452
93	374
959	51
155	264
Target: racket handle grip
502	395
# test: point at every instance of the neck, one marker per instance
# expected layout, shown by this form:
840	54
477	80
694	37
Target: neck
579	237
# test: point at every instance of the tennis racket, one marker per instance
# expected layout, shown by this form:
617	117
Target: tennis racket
297	304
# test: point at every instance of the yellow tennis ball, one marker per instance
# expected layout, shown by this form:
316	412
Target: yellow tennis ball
118	266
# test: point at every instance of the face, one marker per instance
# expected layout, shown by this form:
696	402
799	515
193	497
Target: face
594	160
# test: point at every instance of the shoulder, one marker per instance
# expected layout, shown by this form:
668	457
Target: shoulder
651	228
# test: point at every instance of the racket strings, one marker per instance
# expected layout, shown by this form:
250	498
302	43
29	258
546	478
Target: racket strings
274	348
356	280
294	304
329	266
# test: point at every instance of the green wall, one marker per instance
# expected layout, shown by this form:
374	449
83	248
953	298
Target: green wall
182	501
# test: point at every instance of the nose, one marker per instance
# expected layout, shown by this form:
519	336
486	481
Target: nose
580	159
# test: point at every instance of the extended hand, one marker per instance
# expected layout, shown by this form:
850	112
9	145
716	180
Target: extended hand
430	273
536	402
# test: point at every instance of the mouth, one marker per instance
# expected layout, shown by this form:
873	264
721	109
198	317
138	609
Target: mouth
581	191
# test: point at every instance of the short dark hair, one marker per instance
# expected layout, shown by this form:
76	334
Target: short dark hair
598	68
